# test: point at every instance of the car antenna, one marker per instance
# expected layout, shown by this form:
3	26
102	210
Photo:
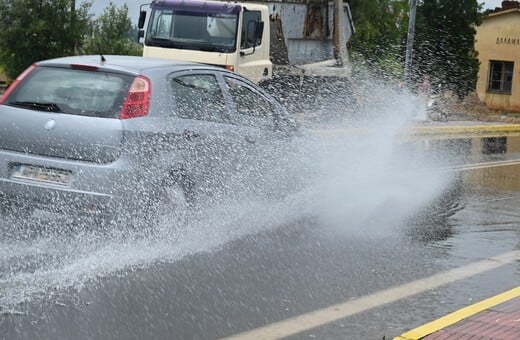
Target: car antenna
101	54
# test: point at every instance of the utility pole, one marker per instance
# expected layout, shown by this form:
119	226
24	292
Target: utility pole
409	42
338	33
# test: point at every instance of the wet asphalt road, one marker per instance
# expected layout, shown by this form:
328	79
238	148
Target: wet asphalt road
230	275
278	273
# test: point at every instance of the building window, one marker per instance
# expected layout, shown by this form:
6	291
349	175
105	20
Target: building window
500	76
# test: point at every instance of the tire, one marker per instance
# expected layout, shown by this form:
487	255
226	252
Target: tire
168	208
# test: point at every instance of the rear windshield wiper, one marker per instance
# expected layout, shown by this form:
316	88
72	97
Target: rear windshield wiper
48	107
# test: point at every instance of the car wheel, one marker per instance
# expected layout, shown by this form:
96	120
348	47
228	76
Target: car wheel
169	207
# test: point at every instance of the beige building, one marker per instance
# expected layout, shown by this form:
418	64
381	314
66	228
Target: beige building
498	44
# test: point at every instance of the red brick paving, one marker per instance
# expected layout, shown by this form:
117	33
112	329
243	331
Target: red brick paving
501	322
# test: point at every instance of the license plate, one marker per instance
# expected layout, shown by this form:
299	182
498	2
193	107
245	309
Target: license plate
41	174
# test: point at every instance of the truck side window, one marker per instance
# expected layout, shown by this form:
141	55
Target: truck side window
252	108
198	96
248	29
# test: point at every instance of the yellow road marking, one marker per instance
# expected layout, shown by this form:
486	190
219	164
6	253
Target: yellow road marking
450	319
339	311
467	131
435	132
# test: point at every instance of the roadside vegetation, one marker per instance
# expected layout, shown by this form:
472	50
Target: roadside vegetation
443	45
32	30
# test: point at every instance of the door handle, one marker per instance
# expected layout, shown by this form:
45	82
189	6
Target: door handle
190	135
250	140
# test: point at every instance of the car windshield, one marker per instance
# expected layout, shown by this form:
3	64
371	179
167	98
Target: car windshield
72	91
192	30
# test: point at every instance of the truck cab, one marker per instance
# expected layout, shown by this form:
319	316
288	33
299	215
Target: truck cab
227	34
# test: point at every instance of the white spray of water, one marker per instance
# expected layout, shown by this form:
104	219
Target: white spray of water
360	180
371	178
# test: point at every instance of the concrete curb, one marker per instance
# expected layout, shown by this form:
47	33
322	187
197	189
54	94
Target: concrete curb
462	130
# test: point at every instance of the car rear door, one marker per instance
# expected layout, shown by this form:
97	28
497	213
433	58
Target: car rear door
261	156
208	137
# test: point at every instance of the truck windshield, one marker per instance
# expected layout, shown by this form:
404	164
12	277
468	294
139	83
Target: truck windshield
216	32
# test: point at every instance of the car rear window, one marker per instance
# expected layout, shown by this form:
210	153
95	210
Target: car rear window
72	91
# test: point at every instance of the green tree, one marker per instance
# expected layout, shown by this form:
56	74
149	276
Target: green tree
111	33
444	43
32	30
381	27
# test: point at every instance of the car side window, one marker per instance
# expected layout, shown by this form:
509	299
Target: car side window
253	108
198	96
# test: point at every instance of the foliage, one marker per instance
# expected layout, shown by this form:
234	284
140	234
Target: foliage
381	27
444	43
32	30
111	33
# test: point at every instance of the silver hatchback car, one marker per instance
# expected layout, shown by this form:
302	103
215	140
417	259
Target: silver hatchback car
128	136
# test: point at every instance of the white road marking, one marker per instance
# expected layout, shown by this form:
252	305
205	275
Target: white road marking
332	313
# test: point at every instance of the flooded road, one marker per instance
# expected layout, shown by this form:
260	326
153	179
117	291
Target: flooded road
251	263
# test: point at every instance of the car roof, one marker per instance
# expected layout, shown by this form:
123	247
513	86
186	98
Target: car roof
133	64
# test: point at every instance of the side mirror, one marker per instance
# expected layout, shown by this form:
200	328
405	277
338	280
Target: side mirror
140	34
142	19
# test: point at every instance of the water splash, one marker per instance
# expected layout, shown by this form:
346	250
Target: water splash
358	177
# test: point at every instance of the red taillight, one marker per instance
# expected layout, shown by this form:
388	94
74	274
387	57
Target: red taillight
137	100
230	68
83	67
15	83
